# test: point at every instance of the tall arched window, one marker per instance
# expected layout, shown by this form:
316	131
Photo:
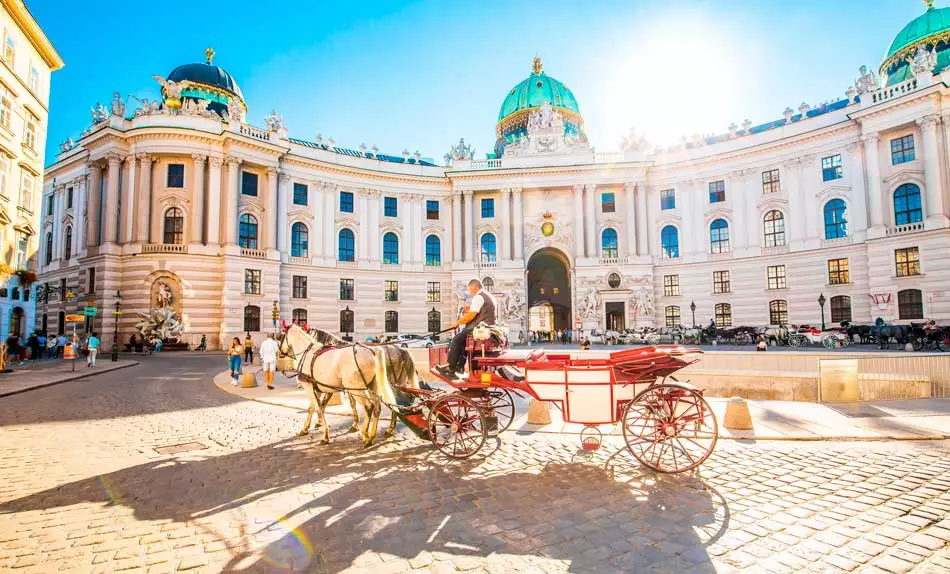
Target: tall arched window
252	318
391	320
672	315
907	205
433	250
836	226
68	242
299	240
719	236
247	234
390	249
778	312
173	227
49	248
670	242
723	315
489	248
346	246
910	304
774	228
608	244
840	308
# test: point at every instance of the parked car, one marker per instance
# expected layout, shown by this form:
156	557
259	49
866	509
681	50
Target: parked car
414	341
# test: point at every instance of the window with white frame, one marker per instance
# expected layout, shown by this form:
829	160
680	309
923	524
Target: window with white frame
776	276
29	131
4	172
9	50
6	107
26	190
34	81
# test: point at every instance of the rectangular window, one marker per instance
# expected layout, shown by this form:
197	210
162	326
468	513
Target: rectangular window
838	272
671	285
9	50
176	175
607	202
672	315
50	204
908	262
433	292
831	168
252	281
29	131
778	312
770	181
300	287
347	290
6	107
26	191
723	315
910	304
721	282
902	150
488	208
34	81
300	193
389	207
717	191
299	316
248	183
22	251
667	199
392	291
346	202
776	276
92	280
840	309
432	209
69	198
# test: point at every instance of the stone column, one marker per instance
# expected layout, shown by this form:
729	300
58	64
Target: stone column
457	226
129	201
80	223
111	207
797	211
651	232
362	243
857	214
281	223
589	226
213	213
230	199
321	221
469	209
59	192
415	230
579	235
143	211
517	200
873	170
633	218
330	194
374	206
196	233
271	215
932	179
505	231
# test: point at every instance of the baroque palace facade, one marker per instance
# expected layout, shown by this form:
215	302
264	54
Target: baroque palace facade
181	203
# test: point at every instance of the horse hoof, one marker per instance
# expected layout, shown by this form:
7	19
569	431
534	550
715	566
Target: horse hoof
304	432
353	428
389	433
325	441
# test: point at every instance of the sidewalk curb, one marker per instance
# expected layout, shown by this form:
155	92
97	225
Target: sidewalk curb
68	379
226	387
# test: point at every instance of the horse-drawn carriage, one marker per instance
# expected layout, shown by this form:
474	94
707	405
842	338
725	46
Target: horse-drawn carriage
667	425
830	339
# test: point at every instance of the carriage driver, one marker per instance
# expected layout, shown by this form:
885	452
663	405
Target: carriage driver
481	309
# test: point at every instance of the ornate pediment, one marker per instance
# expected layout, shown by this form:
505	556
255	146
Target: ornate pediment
719	213
174	200
4	218
914	175
300	213
549	230
25	227
833	191
769	203
390	226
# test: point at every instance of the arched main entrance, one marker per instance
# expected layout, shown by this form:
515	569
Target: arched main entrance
549	290
17	321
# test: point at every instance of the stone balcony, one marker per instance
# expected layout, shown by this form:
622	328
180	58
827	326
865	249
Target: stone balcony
164	248
255	253
902	229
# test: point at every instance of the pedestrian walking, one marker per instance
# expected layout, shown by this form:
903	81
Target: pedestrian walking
60	345
34	344
234	359
203	345
51	347
13	348
41	337
92	347
268	354
248	350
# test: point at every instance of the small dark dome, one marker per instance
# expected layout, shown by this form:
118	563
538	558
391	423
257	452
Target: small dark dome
206	74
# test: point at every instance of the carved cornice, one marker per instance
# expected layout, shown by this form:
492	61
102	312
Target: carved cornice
233	161
215	162
871	139
282	177
928	122
145	157
198	158
113	158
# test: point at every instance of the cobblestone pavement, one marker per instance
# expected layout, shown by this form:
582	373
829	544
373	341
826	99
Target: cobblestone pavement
82	488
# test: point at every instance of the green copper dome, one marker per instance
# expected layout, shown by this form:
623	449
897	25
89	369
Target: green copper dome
933	21
534	91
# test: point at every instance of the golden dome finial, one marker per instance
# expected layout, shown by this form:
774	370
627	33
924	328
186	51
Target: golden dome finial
209	54
536	66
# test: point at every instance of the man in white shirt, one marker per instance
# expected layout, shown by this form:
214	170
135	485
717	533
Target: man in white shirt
268	354
481	309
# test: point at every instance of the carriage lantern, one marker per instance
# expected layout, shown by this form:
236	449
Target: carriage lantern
821	303
692	307
115	332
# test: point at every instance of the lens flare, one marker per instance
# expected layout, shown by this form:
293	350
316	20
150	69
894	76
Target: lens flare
111	490
291	549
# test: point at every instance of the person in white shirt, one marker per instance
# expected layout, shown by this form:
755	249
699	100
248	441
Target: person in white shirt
268	355
481	309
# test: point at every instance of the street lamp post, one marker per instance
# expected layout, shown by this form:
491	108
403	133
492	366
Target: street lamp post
115	332
692	307
821	303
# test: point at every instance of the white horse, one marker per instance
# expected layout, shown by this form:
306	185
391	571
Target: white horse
358	370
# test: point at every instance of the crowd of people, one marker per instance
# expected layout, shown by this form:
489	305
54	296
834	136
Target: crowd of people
40	345
564	337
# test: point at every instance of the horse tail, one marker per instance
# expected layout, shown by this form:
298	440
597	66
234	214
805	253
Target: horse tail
380	375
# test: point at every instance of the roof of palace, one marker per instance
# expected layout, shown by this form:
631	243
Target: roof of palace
534	91
367	155
933	21
930	30
207	74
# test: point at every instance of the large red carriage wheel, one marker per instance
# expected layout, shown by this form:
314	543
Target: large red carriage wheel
500	403
670	428
457	426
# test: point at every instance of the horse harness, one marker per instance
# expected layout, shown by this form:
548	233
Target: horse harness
318	354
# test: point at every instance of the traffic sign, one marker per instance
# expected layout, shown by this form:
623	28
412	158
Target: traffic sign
90	311
74	318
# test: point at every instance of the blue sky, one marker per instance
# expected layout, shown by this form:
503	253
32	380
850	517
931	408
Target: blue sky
421	74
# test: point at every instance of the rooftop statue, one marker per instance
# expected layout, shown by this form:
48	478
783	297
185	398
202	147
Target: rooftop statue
924	62
99	113
867	82
67	145
118	106
461	151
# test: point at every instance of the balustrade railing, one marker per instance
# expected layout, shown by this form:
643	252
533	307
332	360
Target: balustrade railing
300	260
486	163
256	133
608	156
256	253
164	248
613	260
908	228
895	91
777	250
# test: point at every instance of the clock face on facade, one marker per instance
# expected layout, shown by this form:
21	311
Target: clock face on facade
547	228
